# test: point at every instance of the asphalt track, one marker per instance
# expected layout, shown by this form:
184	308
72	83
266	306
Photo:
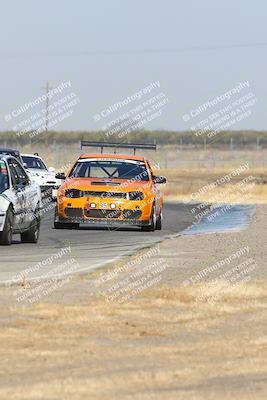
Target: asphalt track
86	248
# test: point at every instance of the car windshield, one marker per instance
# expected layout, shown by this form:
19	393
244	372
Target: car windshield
110	169
4	181
33	162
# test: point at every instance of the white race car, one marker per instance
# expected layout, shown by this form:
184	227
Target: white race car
38	171
20	203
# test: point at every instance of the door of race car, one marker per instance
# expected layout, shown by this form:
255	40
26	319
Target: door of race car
17	194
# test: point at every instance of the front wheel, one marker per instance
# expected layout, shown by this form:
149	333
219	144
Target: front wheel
32	234
6	234
159	222
152	224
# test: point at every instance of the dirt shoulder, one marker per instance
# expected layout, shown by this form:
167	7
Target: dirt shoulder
193	326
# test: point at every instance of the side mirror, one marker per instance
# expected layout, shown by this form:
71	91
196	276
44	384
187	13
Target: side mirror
25	165
61	175
51	169
159	179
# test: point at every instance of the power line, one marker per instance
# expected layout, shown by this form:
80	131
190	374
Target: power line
122	52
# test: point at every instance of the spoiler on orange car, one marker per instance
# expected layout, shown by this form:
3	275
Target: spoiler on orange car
135	146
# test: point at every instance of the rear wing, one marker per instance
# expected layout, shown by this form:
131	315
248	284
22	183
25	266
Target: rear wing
134	146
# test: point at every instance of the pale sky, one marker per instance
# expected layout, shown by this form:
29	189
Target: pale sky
111	49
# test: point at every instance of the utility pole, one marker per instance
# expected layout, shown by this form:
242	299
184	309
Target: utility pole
47	88
46	107
258	143
231	143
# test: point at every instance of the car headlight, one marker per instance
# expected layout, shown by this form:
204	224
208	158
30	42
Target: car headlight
72	193
136	196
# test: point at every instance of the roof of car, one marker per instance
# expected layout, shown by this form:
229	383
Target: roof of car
115	156
6	156
30	155
8	149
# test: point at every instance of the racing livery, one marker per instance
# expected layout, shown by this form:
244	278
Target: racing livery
110	189
20	203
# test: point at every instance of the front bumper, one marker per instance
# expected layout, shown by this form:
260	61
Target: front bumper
132	210
102	221
105	217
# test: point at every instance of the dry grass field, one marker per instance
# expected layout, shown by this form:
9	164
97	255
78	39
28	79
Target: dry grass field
163	344
184	183
167	342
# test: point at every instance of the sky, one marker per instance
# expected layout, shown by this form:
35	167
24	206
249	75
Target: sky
111	49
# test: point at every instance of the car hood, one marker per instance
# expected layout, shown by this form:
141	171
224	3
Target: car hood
106	184
40	172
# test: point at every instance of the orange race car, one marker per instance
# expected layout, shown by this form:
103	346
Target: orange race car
110	189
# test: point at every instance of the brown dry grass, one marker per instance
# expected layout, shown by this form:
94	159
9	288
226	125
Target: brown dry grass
184	183
163	345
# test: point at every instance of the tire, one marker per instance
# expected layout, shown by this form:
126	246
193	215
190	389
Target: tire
152	225
6	234
57	225
32	234
159	222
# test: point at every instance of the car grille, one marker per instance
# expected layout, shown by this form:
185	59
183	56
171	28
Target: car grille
74	212
113	214
76	193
